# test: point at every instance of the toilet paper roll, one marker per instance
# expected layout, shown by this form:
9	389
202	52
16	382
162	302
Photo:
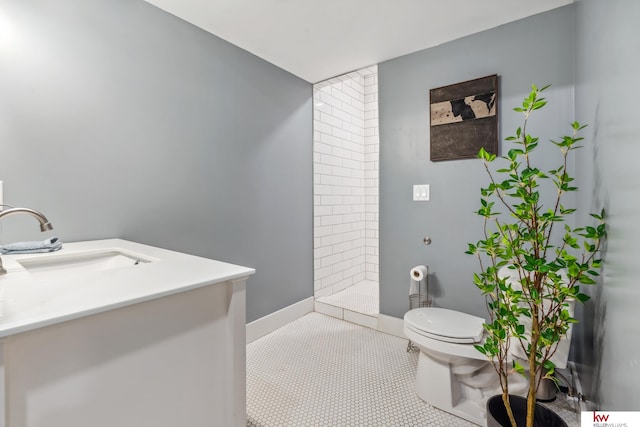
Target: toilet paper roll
418	273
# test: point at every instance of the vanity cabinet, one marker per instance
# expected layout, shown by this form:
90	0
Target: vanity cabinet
174	358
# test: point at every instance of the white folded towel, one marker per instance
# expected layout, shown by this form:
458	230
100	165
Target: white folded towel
51	244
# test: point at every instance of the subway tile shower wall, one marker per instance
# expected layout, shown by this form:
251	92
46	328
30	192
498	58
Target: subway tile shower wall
345	151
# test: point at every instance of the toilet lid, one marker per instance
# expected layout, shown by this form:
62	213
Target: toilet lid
446	325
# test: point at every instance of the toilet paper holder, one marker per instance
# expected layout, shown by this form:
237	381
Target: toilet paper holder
418	293
419	287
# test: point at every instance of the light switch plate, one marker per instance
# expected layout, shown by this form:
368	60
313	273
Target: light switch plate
421	193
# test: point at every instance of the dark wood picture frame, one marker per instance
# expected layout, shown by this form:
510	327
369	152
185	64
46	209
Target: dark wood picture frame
464	118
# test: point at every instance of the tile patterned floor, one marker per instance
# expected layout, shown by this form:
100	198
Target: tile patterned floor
321	371
362	298
565	407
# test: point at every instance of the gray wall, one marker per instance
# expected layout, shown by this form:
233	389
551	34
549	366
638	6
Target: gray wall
119	120
607	348
535	50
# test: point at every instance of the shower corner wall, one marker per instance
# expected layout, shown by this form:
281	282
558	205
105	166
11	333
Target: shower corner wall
345	157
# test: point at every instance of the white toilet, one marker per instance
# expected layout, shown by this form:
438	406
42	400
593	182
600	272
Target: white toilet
452	375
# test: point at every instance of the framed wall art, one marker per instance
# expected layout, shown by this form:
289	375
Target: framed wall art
464	118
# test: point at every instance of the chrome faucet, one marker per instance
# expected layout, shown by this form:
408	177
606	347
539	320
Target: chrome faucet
45	225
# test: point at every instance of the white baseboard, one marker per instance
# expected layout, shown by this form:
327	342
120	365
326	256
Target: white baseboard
269	323
391	325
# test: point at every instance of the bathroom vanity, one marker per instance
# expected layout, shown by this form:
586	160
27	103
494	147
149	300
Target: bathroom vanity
114	333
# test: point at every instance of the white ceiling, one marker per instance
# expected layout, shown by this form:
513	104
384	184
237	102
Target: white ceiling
320	39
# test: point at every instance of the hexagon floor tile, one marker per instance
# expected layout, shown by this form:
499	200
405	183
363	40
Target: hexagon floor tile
321	371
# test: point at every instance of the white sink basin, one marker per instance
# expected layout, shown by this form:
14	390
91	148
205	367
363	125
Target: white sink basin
73	264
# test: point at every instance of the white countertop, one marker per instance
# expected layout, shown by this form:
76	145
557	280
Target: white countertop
28	302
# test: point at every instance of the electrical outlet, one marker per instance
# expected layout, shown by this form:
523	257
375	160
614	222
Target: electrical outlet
421	193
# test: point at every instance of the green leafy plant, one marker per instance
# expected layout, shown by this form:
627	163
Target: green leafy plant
549	258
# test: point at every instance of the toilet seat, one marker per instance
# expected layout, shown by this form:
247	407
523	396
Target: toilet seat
445	325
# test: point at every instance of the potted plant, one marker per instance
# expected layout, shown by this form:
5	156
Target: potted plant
548	259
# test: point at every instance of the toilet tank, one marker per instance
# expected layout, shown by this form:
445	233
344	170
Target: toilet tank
561	356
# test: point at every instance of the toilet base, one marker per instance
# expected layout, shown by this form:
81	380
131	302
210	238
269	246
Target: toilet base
439	386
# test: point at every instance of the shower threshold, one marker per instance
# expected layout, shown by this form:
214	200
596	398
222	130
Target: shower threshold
357	304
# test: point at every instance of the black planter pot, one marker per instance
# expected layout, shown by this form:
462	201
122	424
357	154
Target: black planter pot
497	413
